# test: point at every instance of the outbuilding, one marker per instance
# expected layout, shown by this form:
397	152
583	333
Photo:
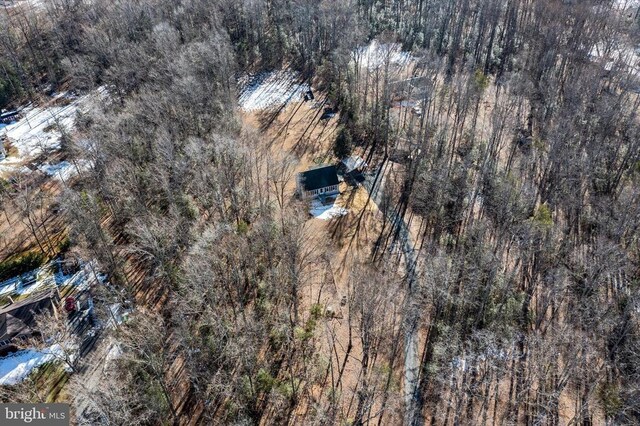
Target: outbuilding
352	169
352	164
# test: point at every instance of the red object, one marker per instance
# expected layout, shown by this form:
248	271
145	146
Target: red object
70	304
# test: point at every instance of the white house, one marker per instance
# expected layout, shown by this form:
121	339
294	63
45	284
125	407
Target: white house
319	182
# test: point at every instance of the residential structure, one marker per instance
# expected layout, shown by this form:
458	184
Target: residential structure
17	319
319	182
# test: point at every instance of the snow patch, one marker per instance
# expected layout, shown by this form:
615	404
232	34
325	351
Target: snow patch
626	4
63	171
326	211
43	278
114	353
270	89
28	283
118	315
376	55
616	54
15	367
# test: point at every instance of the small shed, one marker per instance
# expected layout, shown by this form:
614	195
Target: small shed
319	182
353	163
309	95
352	168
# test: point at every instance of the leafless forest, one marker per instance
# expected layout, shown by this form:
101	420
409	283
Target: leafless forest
499	279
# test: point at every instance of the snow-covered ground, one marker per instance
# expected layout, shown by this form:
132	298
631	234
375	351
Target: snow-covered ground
621	57
45	278
270	89
326	211
39	130
627	4
118	314
614	52
115	352
376	55
32	4
64	170
17	366
42	278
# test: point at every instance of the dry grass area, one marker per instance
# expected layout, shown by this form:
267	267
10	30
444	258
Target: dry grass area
346	241
296	129
42	228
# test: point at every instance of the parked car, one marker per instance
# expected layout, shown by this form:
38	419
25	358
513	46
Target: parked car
71	305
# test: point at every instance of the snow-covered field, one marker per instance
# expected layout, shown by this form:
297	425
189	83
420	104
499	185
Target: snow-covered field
19	286
39	130
62	170
270	89
615	52
326	211
620	56
17	366
376	55
32	4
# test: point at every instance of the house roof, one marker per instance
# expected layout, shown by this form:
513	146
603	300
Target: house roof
11	327
16	319
319	178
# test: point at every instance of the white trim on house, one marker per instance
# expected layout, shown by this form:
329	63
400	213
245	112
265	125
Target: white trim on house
328	190
319	192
